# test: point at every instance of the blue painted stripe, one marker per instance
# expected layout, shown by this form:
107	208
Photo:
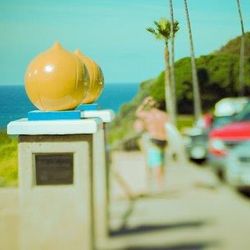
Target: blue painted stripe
38	115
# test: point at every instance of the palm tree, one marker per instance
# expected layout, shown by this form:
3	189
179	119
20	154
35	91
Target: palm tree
172	74
196	89
162	31
242	52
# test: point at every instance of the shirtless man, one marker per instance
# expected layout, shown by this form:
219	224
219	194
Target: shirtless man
153	121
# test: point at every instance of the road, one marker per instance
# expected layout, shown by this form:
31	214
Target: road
195	212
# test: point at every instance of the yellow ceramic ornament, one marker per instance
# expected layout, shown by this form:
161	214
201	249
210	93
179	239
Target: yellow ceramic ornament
55	80
96	79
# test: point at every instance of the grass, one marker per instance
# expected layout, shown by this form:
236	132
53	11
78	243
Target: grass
8	160
184	121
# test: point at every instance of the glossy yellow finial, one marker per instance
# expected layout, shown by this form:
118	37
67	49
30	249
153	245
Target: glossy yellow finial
56	80
57	45
96	80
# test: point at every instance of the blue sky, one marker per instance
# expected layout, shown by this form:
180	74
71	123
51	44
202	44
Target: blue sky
112	32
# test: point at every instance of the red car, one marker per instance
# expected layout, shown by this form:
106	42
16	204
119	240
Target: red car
223	139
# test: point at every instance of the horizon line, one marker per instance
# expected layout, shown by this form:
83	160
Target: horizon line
20	84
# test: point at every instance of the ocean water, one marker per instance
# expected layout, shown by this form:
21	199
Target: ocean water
14	103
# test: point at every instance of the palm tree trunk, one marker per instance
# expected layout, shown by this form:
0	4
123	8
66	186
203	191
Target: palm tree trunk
196	90
242	53
168	92
172	72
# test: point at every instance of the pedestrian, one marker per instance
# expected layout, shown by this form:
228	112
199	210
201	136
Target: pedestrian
152	118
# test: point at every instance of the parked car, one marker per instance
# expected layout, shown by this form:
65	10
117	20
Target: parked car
196	138
195	141
223	140
237	171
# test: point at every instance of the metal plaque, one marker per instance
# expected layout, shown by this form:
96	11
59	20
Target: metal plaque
54	169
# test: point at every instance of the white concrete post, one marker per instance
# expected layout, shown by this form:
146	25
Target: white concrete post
101	176
56	183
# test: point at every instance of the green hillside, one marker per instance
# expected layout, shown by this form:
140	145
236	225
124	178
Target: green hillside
218	74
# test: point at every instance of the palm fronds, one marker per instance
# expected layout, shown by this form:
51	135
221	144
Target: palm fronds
162	29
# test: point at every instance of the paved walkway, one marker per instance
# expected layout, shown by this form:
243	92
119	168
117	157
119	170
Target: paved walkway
194	213
9	219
